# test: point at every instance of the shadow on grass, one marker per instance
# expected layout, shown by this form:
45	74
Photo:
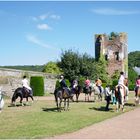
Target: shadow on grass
54	109
18	105
102	108
129	104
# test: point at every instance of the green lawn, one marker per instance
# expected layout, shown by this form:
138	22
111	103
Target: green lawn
41	120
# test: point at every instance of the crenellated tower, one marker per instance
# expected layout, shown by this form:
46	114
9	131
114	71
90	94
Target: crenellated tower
114	50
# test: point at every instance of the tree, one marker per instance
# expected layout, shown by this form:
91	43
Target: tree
52	67
70	64
134	59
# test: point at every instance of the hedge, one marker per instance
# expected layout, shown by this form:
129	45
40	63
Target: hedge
37	84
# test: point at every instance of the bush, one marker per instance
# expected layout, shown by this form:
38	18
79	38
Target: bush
131	86
37	84
82	81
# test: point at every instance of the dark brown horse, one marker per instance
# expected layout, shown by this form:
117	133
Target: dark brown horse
60	95
137	100
22	93
76	91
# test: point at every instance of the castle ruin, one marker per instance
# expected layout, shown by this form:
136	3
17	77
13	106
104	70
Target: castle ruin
114	50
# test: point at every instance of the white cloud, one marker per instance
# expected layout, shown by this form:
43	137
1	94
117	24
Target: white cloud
57	17
43	17
108	11
46	16
44	27
37	41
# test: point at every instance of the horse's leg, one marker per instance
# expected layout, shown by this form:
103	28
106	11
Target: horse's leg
65	104
60	105
77	95
21	100
27	101
32	99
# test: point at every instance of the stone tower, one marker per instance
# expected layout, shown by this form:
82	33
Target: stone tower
114	50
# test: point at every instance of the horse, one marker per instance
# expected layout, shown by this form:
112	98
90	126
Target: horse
121	96
76	91
1	101
137	100
61	94
95	90
87	90
22	93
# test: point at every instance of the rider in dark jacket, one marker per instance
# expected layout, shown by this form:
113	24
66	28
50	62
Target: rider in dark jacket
63	84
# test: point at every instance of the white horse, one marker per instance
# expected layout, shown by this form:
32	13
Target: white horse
96	91
1	100
120	96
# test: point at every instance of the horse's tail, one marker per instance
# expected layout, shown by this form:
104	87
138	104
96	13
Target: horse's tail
55	95
17	92
13	97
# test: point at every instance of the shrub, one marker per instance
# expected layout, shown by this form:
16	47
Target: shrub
82	81
131	86
37	84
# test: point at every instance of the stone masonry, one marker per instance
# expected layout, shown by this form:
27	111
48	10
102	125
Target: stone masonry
114	50
10	79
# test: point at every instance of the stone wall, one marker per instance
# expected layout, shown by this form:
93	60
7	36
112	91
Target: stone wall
114	50
10	79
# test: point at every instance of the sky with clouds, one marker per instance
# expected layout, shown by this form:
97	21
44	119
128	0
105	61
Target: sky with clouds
36	32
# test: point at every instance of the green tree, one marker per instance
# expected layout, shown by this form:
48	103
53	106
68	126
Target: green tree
52	67
134	59
70	64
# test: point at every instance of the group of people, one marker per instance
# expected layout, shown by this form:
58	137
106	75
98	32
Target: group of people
98	82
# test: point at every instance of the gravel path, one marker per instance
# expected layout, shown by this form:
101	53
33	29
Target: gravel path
124	126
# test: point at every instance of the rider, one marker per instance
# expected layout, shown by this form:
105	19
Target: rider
121	82
63	84
74	84
137	85
87	82
26	86
98	83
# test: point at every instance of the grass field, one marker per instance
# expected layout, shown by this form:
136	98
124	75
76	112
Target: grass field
41	119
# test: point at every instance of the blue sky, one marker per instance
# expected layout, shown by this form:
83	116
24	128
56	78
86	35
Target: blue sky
36	32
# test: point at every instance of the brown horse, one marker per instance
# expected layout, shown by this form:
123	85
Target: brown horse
137	100
60	95
76	91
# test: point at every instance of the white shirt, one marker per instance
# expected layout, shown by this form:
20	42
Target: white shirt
26	84
121	80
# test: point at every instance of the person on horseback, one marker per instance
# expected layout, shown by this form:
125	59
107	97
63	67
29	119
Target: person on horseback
137	85
87	82
27	89
74	85
63	85
121	82
98	83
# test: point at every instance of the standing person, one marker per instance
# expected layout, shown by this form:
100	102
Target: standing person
107	93
26	86
137	85
98	83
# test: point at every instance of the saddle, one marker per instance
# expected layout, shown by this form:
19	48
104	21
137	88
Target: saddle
26	91
122	87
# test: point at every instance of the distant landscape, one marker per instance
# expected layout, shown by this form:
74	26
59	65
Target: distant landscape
133	61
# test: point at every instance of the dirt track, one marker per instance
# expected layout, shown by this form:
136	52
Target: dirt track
125	126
